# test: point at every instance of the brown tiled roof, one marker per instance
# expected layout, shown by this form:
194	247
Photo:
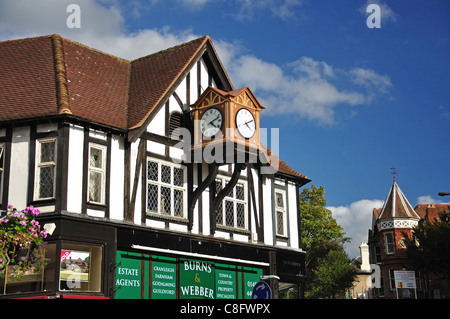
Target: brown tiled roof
26	65
430	211
283	168
51	75
97	84
397	205
86	82
152	76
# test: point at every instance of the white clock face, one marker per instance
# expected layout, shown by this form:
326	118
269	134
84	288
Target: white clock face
245	123
211	122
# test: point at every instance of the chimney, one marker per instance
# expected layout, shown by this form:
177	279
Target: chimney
365	265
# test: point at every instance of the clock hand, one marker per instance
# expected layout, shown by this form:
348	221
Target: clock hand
213	120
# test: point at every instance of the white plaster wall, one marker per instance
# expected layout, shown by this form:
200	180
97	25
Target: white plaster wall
204	76
116	188
268	222
18	179
156	148
158	124
193	86
205	205
75	173
293	218
250	204
138	206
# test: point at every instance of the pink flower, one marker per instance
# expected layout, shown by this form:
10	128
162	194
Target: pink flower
22	222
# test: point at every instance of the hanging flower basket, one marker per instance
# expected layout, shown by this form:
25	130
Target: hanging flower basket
21	242
20	254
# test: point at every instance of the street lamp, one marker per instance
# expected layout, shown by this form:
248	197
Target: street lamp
443	193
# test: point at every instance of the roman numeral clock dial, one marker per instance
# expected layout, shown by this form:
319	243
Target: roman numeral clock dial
211	122
245	123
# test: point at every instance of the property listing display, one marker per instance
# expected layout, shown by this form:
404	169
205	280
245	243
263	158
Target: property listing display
148	276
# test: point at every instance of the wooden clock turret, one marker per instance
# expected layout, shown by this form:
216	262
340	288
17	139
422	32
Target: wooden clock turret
227	117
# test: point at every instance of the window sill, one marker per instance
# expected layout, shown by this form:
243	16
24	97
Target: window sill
233	230
167	218
43	202
282	237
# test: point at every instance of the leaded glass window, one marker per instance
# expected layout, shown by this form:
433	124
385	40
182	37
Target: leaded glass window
97	173
280	213
232	210
166	189
45	169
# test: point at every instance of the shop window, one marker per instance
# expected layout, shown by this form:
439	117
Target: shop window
166	189
287	290
45	169
232	212
80	268
97	174
32	281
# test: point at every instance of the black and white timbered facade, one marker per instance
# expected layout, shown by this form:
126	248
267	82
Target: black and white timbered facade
88	138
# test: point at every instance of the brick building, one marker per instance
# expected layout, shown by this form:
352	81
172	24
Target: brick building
387	248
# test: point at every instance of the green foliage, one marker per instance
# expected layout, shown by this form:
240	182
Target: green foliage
328	268
332	276
428	248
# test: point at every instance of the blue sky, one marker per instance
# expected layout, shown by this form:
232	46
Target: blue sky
350	101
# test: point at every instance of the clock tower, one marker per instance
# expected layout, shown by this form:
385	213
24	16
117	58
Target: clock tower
222	118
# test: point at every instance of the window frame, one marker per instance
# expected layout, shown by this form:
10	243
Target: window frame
102	170
39	165
160	183
235	201
95	281
283	211
389	242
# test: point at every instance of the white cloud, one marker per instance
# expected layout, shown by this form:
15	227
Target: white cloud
444	113
306	88
281	9
356	220
428	199
30	18
371	80
195	3
102	26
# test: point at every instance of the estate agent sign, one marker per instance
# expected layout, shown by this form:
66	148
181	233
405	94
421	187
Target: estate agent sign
144	276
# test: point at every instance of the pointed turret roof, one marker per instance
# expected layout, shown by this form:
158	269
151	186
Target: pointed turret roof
397	205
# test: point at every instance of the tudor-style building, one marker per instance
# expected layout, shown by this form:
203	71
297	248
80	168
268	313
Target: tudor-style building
152	172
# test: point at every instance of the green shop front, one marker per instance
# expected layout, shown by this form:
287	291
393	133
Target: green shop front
151	276
160	265
91	258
